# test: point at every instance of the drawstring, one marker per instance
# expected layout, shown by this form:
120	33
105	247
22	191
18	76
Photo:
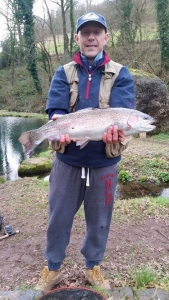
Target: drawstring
87	179
83	175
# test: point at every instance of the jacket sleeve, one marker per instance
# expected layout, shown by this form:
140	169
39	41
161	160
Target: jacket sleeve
122	95
58	96
58	101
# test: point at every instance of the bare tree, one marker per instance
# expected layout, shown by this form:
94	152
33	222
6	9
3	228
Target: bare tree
64	6
72	26
52	29
41	40
131	14
13	47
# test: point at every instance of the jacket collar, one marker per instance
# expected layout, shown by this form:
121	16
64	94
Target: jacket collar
103	61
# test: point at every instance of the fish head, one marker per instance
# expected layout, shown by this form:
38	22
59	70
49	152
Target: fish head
140	122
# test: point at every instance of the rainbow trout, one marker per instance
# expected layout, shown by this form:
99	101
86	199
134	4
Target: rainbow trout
88	124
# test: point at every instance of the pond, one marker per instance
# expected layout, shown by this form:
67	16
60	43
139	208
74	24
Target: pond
11	151
12	154
141	189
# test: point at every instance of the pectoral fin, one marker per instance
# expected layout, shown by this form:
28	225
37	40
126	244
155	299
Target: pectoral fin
127	139
53	139
82	143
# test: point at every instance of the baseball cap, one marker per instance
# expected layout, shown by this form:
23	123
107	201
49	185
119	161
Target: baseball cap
91	16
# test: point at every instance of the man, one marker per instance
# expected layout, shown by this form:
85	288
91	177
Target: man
88	175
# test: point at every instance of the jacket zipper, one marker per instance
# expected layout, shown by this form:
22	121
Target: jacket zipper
89	80
88	85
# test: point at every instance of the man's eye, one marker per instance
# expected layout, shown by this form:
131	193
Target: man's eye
96	32
85	33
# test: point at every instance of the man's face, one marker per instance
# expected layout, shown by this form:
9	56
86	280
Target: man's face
91	39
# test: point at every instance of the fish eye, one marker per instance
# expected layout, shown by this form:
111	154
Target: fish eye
146	117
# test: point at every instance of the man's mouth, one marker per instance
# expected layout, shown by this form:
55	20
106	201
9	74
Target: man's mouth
91	46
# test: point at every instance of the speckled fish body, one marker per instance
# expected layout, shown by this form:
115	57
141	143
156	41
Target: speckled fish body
88	124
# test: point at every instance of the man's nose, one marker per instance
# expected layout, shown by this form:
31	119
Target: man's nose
91	35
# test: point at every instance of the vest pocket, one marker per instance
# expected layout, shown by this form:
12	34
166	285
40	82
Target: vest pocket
73	99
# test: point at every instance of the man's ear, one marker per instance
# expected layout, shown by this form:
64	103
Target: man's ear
76	38
106	38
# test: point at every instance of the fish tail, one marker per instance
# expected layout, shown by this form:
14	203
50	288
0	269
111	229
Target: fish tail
27	140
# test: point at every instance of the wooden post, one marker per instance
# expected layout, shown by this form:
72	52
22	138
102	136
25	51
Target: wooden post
142	135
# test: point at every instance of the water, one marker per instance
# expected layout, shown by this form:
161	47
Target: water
11	151
12	154
142	189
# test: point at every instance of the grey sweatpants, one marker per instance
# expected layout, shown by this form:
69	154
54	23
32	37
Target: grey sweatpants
67	192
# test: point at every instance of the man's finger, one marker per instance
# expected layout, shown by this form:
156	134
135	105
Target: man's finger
121	136
67	139
109	135
115	134
55	117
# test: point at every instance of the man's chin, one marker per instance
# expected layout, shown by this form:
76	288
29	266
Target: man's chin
91	54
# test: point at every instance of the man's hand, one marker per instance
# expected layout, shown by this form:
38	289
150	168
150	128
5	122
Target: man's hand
113	135
65	138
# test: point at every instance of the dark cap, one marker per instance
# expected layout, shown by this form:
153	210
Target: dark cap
91	16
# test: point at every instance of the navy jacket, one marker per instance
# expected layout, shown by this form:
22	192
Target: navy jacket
122	95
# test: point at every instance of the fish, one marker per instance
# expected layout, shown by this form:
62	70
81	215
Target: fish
88	124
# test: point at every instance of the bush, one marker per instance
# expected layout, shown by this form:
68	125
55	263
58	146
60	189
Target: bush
125	176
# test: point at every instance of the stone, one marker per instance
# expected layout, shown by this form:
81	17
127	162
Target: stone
153	294
152	98
20	295
35	166
122	293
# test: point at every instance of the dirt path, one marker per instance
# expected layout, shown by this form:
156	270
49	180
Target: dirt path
138	235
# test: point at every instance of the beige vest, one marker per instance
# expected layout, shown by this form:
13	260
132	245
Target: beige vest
110	73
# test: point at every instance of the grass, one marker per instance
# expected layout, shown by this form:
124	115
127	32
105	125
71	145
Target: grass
19	94
6	113
80	213
144	277
161	137
152	165
160	201
31	201
147	35
23	287
99	290
46	154
132	210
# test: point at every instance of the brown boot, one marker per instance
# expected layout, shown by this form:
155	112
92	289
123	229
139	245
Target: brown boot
95	277
48	279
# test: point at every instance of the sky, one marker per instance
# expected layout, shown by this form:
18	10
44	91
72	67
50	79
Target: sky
38	10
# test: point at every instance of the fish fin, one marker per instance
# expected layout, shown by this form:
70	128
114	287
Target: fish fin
82	143
126	140
26	141
53	139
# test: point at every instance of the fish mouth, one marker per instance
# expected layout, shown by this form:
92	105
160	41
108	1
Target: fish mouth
147	125
151	121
